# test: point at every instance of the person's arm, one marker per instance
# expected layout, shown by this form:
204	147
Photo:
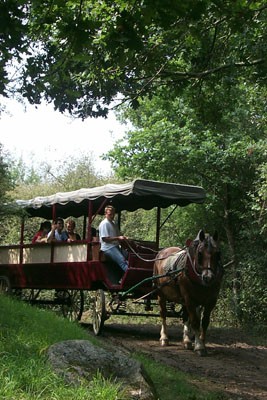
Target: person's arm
109	239
51	234
110	233
41	239
35	238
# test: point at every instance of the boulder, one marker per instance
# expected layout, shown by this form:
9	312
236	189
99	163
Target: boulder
77	360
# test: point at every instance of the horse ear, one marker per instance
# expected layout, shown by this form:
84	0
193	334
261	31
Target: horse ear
201	235
215	236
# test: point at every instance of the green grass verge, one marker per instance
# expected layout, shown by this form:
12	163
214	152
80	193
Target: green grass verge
26	333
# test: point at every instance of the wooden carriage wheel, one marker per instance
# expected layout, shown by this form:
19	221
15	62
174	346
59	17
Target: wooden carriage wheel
73	304
5	287
99	311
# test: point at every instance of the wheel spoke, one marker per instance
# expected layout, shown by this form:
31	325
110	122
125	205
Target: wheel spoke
99	312
73	303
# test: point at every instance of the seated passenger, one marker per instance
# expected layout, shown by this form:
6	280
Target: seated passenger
110	238
94	232
41	235
72	236
57	233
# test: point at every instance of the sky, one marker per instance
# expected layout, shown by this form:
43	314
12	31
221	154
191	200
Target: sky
42	134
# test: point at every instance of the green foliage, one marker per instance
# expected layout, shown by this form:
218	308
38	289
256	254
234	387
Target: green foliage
170	142
253	300
259	197
4	174
81	55
141	225
6	182
76	172
252	275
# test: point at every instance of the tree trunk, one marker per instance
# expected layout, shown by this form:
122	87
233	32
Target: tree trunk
228	225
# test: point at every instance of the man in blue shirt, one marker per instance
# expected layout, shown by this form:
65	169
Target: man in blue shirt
57	233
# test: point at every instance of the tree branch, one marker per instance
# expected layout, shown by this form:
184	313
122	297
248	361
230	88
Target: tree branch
210	71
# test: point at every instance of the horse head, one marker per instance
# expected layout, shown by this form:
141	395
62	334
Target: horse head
206	257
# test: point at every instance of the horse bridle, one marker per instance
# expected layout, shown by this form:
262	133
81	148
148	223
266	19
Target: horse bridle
195	262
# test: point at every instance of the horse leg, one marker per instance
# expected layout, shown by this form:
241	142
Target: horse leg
187	342
194	317
205	322
163	332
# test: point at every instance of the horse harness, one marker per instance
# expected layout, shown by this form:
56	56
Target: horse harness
183	261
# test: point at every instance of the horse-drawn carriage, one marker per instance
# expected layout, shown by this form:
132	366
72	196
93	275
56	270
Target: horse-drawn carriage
70	269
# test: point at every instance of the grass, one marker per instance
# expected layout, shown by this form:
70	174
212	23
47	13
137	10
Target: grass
26	333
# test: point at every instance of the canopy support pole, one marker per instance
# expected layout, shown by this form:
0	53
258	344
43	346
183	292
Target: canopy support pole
90	214
21	240
168	217
158	226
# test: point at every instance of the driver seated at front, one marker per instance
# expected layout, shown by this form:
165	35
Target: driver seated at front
110	238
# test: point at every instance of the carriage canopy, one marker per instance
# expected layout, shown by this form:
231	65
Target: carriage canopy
139	193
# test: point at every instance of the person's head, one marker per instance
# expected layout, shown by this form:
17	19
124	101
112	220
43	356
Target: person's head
60	224
70	225
110	212
46	226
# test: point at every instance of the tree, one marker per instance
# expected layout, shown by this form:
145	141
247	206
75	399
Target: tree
82	54
6	181
77	172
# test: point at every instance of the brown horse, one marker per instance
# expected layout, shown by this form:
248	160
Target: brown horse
191	277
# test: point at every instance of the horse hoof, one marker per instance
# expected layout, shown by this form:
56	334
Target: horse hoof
201	352
188	346
164	342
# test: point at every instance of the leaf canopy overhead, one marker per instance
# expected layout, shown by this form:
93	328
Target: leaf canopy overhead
82	55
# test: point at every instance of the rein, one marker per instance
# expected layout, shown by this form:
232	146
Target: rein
154	251
171	274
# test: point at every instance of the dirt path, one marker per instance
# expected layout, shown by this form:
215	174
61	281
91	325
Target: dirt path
233	365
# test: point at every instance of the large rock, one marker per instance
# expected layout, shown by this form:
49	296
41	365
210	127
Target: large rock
79	359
